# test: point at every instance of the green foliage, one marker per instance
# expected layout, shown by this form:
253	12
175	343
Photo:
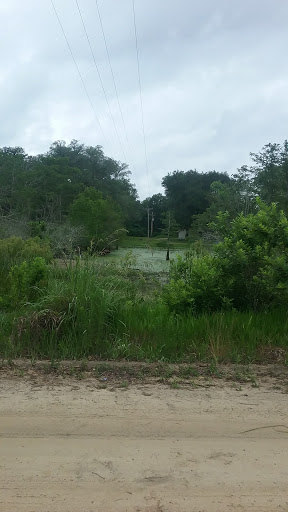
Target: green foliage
38	229
155	242
81	309
270	174
38	191
41	189
98	216
232	198
27	281
248	270
188	193
158	208
170	226
200	248
195	285
14	251
96	310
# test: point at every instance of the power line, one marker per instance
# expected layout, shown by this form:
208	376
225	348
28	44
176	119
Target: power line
101	81
140	93
112	72
80	75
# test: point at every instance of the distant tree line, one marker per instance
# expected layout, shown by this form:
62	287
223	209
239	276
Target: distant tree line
71	185
75	195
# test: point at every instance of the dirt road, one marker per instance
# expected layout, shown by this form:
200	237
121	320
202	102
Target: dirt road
67	446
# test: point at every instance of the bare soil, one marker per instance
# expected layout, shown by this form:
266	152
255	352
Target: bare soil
74	444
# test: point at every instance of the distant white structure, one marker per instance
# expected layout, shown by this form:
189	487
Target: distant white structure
182	234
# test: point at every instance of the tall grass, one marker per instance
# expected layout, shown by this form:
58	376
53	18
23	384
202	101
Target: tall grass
103	311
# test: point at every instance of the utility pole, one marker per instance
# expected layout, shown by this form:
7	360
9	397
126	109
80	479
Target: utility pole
148	214
152	222
150	228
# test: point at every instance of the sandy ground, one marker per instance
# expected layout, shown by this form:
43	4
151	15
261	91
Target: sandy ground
67	446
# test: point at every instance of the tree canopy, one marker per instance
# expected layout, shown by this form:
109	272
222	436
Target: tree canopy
188	193
74	184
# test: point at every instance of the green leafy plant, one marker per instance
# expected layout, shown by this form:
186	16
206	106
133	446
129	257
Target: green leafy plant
248	269
14	251
27	281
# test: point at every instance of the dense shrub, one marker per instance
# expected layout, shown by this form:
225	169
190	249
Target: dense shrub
14	251
248	269
27	281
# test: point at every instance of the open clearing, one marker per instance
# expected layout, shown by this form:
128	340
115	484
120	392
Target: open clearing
67	445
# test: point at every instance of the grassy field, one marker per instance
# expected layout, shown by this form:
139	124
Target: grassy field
154	242
110	311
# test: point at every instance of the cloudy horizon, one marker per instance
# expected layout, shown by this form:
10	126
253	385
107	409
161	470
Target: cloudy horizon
214	81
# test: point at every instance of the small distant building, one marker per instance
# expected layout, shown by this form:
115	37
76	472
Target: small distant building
182	234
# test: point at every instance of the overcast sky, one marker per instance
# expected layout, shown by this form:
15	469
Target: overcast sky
214	80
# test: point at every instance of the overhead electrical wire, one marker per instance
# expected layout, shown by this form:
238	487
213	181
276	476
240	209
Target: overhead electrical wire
112	72
141	97
100	79
80	75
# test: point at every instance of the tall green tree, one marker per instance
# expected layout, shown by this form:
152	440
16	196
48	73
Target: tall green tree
232	198
13	164
188	193
99	171
51	185
98	216
42	188
270	173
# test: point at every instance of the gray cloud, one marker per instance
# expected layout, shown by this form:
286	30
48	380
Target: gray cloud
213	74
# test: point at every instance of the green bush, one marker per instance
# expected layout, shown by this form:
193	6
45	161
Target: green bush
27	281
15	250
98	216
38	229
195	285
248	270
